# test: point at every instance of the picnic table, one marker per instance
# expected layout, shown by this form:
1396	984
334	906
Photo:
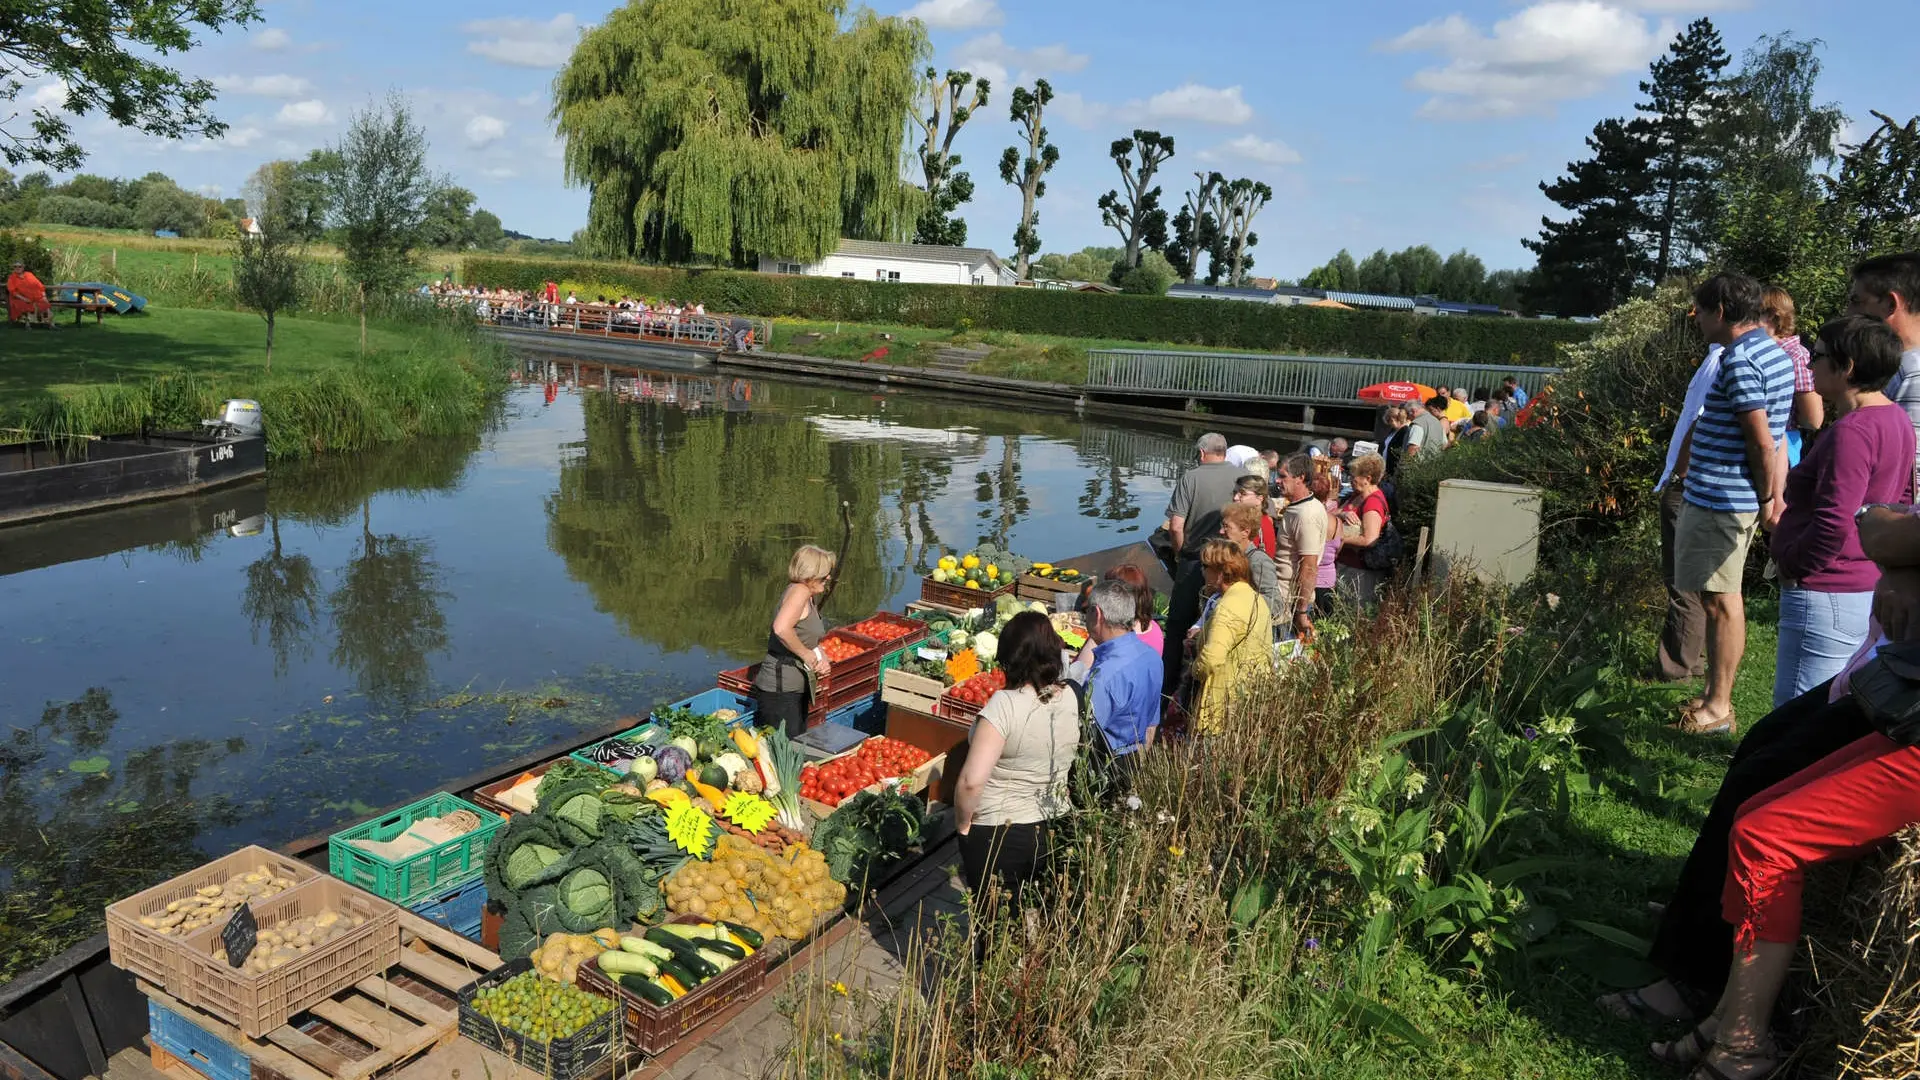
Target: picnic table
85	298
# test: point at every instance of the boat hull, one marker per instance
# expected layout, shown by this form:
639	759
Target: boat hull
50	478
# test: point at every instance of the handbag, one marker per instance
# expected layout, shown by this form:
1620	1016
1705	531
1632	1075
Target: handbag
1386	551
1887	689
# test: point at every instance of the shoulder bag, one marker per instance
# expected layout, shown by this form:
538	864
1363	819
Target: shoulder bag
1887	689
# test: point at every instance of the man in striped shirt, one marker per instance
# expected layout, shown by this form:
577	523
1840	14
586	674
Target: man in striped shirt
1733	480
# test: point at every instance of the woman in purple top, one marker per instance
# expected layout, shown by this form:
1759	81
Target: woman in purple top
1865	457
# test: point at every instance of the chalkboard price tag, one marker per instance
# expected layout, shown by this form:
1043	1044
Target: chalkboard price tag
240	935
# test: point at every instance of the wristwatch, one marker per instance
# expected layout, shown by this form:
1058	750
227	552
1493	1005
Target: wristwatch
1862	512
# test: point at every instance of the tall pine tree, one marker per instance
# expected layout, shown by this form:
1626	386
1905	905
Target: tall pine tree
1684	95
1593	260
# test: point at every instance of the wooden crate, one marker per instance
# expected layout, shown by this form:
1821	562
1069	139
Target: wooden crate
959	596
910	691
372	1029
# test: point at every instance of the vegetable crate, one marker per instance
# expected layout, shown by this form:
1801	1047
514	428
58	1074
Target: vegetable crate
893	632
1045	589
578	1055
258	1003
959	597
655	1028
161	959
421	876
867	715
833	695
910	691
859	666
460	911
708	701
488	796
373	1029
953	708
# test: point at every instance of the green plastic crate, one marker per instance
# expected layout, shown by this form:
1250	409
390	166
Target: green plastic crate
426	875
892	659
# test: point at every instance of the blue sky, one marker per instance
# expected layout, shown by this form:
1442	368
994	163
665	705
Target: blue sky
1377	122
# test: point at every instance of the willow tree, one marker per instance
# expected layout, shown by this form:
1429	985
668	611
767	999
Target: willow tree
730	129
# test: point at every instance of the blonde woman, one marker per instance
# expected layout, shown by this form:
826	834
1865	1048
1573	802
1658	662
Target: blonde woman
793	650
1236	641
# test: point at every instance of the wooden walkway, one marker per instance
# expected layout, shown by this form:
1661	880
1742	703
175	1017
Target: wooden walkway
751	1043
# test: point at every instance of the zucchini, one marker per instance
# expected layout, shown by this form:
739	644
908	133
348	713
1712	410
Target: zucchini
673	969
646	948
717	959
688	931
649	991
745	933
684	953
622	962
725	948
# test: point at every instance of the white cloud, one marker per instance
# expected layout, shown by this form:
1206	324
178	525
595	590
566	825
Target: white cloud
272	39
1075	109
956	14
1251	147
499	172
239	138
524	42
990	57
484	130
1551	51
1200	104
310	113
278	86
211	191
52	95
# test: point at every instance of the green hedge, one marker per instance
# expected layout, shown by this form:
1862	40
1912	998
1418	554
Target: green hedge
1228	324
18	247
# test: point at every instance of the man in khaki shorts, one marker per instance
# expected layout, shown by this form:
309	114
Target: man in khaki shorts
1733	481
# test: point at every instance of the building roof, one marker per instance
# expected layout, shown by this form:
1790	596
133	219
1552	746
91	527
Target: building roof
1370	300
939	253
1203	289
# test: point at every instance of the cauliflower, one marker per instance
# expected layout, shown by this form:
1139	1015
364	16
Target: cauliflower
984	644
957	639
1038	608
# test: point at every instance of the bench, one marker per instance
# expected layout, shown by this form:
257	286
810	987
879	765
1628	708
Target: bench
85	300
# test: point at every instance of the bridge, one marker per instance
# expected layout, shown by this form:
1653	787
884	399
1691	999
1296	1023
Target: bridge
1317	391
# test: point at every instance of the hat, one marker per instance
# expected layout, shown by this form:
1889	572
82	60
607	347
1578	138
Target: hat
1238	455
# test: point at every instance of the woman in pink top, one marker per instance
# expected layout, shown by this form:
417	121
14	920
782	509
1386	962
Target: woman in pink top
1143	623
1325	485
1866	456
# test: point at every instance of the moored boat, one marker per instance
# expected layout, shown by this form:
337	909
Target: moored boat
48	477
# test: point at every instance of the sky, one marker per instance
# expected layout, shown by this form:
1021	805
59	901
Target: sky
1378	123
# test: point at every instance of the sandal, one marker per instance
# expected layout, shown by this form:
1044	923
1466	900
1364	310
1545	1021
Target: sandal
1685	1050
1629	1005
1762	1053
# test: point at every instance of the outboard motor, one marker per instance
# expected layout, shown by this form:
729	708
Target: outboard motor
239	419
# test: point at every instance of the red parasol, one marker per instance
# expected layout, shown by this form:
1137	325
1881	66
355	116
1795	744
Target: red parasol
1396	391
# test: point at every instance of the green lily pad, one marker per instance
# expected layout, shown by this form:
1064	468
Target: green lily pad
89	766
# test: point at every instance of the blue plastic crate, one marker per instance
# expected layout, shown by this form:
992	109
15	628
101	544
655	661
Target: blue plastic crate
709	700
195	1048
867	715
459	910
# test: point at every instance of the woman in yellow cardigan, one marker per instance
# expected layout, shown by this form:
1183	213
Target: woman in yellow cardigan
1235	640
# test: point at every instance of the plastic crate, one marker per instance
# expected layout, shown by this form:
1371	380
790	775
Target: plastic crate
460	911
834	694
430	873
161	959
740	701
864	664
907	631
655	1028
488	796
207	1054
867	715
959	597
579	1054
256	1004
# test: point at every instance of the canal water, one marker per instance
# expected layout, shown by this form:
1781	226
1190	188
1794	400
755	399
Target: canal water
258	664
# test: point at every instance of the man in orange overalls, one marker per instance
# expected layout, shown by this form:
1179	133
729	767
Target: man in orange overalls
27	296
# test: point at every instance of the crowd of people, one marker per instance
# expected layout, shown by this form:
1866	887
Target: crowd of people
549	307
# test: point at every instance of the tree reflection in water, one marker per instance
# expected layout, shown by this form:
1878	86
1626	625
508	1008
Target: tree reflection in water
282	599
79	830
387	617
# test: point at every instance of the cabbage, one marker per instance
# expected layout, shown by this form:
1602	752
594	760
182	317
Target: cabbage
673	762
984	644
579	818
957	639
527	860
587	894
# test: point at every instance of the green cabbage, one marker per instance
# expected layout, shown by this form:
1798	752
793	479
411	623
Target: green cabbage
587	894
526	861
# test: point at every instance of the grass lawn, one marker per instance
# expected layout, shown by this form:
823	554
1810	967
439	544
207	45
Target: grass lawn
169	341
136	249
1043	357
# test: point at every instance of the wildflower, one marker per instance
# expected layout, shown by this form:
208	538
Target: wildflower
1436	840
1133	802
837	1037
1411	864
839	988
1557	725
1313	944
1415	783
1530	732
1176	850
1483	941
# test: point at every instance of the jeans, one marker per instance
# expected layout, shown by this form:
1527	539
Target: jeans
1819	632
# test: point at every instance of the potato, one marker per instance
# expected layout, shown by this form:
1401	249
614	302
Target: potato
208	890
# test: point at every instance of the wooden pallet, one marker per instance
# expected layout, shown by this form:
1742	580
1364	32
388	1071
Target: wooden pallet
381	1024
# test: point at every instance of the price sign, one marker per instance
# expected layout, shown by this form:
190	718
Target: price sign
240	935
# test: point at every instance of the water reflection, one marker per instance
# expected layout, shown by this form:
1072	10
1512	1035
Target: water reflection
386	615
282	600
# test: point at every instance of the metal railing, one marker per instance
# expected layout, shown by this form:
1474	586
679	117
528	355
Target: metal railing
1143	452
595	320
1317	380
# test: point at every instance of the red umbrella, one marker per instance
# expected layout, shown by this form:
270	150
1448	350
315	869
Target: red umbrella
1396	391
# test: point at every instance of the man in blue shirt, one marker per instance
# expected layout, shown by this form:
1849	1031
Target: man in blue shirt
1515	392
1124	685
1733	480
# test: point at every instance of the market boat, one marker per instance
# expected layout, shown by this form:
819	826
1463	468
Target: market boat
48	477
65	1019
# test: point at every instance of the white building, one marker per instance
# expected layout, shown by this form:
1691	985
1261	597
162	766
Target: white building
924	264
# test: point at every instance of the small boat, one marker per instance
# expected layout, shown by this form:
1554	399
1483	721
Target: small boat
49	477
70	292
